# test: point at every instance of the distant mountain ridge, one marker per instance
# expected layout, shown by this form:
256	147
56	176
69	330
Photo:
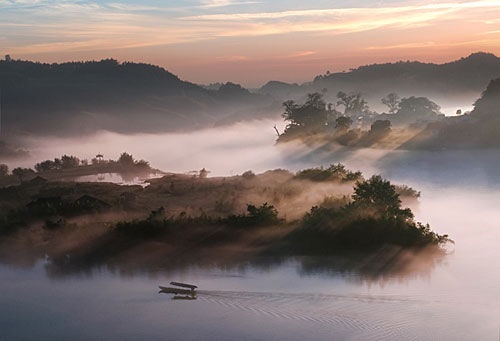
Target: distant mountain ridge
82	97
440	82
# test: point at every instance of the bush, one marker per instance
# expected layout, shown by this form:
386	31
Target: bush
64	162
335	172
157	225
379	195
248	174
23	173
69	161
257	216
380	126
373	219
4	170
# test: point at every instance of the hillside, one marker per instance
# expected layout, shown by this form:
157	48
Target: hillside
458	82
82	97
479	129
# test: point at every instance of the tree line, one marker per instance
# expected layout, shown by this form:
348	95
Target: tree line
125	162
316	116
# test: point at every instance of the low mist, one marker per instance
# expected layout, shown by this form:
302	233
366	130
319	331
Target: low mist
223	151
232	150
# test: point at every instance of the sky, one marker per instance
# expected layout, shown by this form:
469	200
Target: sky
245	41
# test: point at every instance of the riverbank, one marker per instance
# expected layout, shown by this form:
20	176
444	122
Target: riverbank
197	219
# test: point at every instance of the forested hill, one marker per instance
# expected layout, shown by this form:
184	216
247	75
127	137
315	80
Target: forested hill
440	82
479	129
488	106
82	97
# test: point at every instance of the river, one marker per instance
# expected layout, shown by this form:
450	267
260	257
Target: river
455	299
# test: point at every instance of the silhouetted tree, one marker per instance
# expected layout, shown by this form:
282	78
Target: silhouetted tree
312	115
419	107
142	164
126	159
353	103
69	161
248	174
64	162
335	172
343	123
203	173
380	126
379	194
392	101
45	166
22	173
4	170
57	163
262	215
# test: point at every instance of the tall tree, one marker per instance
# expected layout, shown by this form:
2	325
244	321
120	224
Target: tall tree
22	173
392	101
418	107
126	159
4	170
379	194
353	103
312	115
46	165
69	161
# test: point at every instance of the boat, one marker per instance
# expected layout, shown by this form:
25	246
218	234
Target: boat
184	285
176	291
189	292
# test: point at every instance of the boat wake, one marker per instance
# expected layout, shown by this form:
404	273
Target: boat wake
357	315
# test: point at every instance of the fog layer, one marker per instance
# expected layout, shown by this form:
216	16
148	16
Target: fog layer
222	151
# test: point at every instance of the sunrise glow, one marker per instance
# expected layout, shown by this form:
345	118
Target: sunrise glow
249	42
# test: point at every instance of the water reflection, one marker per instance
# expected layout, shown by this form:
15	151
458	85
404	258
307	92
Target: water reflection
388	296
389	264
128	179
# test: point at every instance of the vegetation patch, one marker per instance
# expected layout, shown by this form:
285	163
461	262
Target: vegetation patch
312	212
335	172
373	218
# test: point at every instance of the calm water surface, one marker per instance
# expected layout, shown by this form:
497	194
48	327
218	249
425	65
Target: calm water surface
457	299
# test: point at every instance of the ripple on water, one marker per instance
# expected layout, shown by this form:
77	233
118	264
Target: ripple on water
365	317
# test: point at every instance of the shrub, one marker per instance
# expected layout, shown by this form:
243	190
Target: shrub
248	174
373	219
4	170
336	172
257	216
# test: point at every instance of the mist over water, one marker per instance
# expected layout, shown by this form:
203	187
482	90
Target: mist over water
223	150
455	300
234	149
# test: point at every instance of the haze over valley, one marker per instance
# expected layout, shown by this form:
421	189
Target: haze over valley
271	170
